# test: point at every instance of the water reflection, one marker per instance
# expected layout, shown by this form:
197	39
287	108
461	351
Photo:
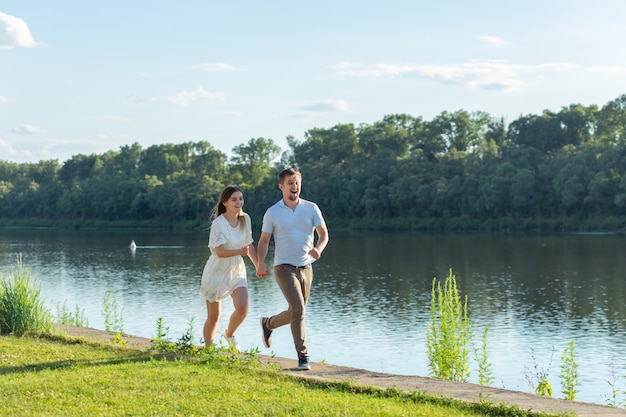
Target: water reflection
371	295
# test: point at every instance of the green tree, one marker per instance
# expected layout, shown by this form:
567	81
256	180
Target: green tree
578	124
543	132
523	192
250	163
393	134
611	126
460	131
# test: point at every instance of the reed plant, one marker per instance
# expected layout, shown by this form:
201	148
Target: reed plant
614	399
449	332
113	320
68	317
538	377
485	373
22	308
569	372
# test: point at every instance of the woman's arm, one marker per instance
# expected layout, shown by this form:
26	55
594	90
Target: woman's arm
226	253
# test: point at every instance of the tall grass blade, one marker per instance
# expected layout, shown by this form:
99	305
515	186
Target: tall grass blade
21	307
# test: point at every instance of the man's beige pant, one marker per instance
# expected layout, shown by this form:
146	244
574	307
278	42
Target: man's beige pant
295	283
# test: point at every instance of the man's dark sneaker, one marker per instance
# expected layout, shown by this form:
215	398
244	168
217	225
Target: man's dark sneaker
303	363
267	333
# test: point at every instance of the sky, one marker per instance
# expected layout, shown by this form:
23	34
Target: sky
82	77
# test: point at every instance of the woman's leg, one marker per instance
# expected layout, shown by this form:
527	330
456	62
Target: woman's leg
240	302
212	319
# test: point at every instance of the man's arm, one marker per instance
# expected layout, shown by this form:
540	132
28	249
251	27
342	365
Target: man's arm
322	241
261	252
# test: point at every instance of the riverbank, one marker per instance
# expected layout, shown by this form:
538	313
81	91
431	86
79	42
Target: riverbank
449	389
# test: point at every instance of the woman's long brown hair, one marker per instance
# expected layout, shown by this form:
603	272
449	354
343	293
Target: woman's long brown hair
221	208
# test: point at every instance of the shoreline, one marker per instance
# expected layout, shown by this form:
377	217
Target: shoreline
461	391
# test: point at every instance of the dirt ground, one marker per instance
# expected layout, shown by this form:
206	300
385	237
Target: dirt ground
457	390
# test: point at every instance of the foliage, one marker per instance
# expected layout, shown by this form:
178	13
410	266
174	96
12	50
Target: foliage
485	374
113	320
185	345
71	318
614	400
21	307
538	379
448	333
557	171
569	372
187	337
161	339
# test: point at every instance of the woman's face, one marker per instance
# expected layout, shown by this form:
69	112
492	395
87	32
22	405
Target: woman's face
234	203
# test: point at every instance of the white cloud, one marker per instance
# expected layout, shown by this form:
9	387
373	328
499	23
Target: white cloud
6	148
3	101
232	114
139	100
26	130
324	106
608	70
9	153
109	118
487	75
302	116
183	98
350	69
493	41
342	65
14	32
218	67
554	66
307	110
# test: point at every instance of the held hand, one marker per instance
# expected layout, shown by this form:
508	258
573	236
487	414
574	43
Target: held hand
245	251
262	271
315	253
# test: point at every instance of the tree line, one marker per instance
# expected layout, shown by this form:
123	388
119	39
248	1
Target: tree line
461	170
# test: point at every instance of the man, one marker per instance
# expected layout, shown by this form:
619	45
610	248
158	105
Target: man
293	221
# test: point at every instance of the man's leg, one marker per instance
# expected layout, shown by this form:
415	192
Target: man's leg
295	285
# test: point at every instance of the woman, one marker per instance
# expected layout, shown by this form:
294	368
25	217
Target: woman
225	271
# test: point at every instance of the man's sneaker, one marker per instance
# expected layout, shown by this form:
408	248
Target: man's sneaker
232	343
267	333
303	363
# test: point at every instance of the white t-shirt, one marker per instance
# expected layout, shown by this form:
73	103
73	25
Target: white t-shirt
293	231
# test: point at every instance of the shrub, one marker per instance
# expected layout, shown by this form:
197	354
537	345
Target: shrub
21	307
449	332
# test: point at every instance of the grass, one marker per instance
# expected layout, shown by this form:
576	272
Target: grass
21	307
58	375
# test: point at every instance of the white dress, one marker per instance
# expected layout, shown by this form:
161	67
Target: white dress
221	276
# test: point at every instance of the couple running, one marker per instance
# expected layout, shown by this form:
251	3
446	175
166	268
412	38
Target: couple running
294	222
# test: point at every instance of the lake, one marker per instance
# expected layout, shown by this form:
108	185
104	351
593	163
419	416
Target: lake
370	302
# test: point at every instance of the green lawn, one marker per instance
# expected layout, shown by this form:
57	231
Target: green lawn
60	376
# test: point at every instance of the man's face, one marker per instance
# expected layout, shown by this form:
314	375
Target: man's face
291	188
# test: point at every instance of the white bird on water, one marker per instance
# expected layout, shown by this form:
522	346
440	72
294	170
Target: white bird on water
133	245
